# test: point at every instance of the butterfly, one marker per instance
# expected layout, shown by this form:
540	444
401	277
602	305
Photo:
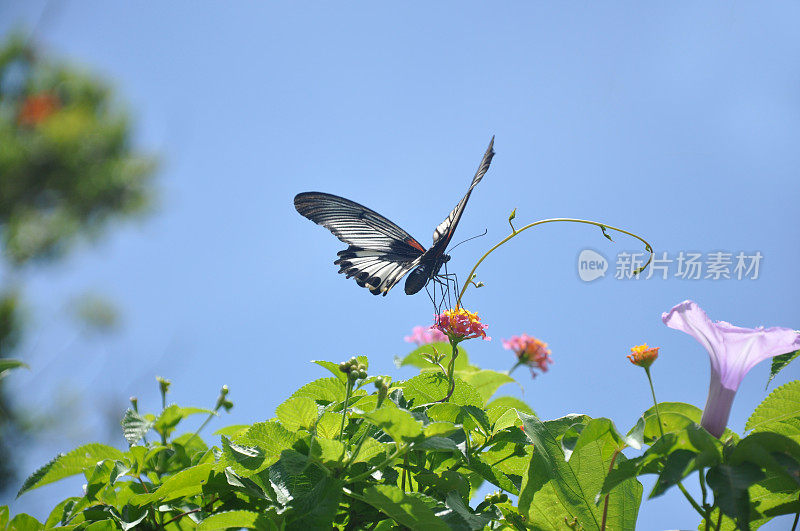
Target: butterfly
379	252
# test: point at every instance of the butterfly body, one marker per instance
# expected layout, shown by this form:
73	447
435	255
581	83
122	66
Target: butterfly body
379	252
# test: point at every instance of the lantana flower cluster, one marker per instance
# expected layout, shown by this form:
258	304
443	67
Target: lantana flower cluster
460	324
530	351
422	335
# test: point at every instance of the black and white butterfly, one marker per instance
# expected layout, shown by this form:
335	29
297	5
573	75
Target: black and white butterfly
380	253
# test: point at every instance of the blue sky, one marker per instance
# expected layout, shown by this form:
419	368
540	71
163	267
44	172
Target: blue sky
679	123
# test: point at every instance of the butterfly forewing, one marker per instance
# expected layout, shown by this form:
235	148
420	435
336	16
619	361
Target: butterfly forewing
379	251
446	228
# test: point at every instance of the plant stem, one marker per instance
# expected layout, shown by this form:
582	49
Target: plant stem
685	492
344	409
603	226
706	507
450	372
655	402
691	500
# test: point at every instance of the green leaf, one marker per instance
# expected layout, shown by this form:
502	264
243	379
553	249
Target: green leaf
771	451
255	449
313	495
493	475
6	365
399	424
574	484
135	426
473	521
323	391
232	430
297	412
416	357
185	483
334	367
730	484
24	522
69	464
672	457
508	402
779	412
440	429
4	516
236	519
173	414
675	417
486	382
405	509
430	387
329	425
779	362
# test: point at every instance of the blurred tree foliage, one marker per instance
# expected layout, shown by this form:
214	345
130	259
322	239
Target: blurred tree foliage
67	169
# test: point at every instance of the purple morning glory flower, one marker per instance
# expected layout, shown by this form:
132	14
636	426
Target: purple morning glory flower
732	350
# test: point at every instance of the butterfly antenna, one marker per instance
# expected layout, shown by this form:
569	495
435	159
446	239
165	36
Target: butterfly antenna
485	232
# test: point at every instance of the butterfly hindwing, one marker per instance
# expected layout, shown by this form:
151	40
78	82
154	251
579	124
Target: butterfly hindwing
379	251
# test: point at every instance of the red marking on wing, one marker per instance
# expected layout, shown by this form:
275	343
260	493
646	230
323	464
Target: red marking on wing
415	244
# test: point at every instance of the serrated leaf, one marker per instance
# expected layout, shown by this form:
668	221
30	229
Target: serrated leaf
166	422
58	516
371	449
236	519
416	358
333	368
430	387
297	412
399	424
439	429
779	363
508	402
404	509
486	382
185	483
312	494
134	426
69	464
329	425
231	431
323	391
493	475
779	412
25	522
473	521
255	449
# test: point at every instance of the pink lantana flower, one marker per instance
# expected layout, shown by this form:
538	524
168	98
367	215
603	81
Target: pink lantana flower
530	351
732	350
460	324
421	335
